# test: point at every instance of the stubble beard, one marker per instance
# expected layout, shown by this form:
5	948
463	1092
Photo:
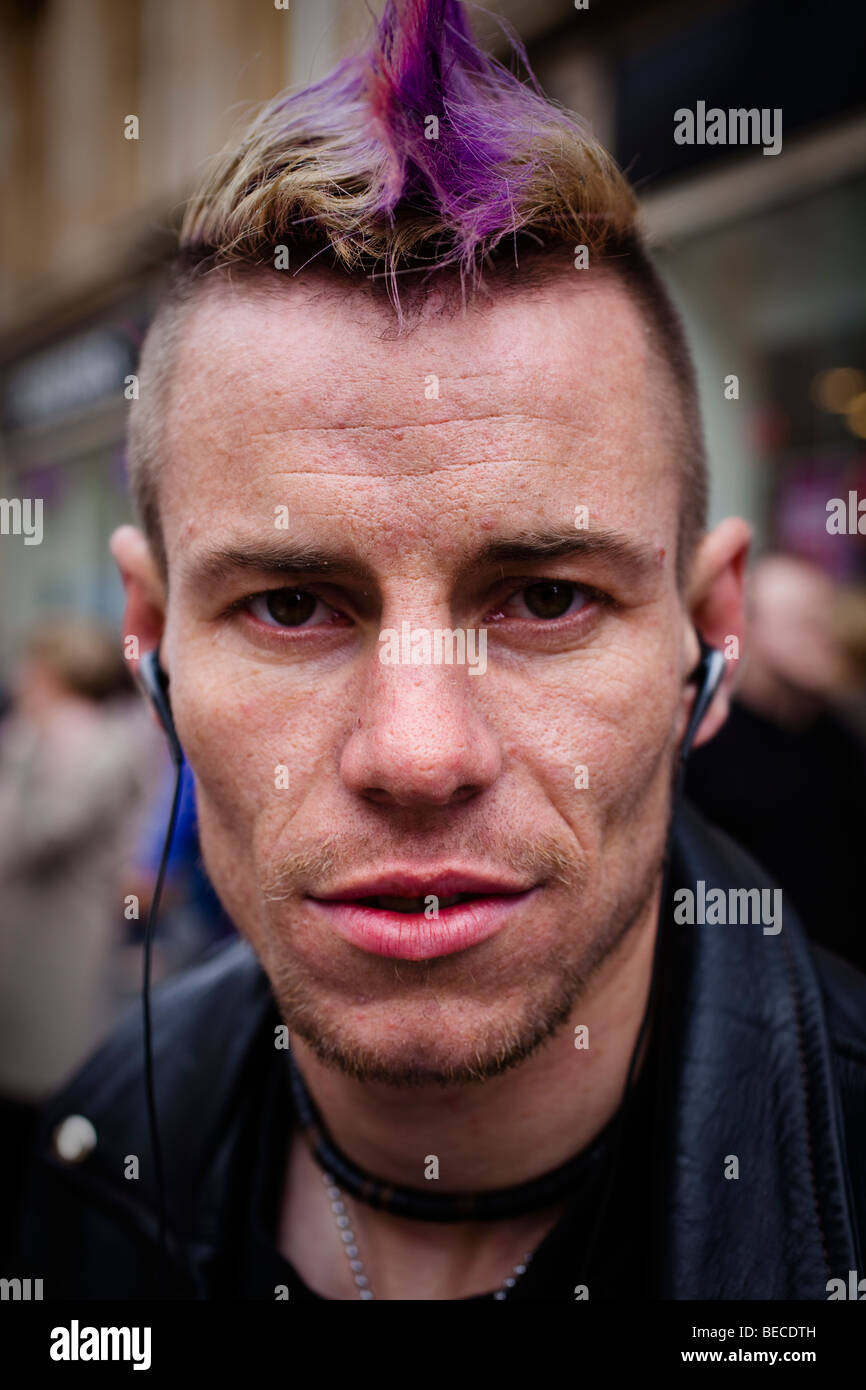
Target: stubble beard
498	1044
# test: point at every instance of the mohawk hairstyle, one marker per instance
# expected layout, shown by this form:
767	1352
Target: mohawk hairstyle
420	151
419	154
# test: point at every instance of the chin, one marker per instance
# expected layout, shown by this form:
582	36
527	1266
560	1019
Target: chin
429	1042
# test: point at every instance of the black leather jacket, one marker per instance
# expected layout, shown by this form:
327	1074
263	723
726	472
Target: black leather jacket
764	1058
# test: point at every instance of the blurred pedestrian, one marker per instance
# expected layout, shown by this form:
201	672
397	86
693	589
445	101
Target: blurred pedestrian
69	782
786	774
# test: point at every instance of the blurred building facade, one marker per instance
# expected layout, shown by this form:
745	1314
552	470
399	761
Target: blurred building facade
765	254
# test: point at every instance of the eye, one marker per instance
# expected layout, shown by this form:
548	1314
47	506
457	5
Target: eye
547	600
289	608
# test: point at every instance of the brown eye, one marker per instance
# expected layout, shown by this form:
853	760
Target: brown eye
549	599
285	607
290	607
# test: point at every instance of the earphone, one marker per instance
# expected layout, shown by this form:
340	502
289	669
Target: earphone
707	674
155	683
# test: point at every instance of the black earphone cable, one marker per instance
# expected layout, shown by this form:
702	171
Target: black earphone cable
156	1149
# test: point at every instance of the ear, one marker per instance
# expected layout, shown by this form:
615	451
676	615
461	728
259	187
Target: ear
144	615
715	607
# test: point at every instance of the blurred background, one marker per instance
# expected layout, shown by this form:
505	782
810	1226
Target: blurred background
765	256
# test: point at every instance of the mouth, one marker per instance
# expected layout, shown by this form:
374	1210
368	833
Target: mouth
385	903
401	918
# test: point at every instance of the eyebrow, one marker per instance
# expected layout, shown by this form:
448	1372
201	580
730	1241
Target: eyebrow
289	559
636	557
283	557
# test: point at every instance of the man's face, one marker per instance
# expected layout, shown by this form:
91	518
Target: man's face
423	469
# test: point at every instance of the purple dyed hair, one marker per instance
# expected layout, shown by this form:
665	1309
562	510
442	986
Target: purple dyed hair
422	150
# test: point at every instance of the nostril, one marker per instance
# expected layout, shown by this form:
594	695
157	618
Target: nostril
378	795
465	793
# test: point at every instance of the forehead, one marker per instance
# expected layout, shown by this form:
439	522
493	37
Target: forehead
286	392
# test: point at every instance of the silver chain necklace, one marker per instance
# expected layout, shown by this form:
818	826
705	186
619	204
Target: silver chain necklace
356	1264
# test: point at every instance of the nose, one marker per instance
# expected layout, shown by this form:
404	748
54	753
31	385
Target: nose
420	738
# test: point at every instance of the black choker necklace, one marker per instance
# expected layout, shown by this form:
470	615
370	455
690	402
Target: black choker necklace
541	1192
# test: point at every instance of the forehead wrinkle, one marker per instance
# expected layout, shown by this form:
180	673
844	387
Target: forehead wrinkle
571	417
559	404
270	370
407	425
566	442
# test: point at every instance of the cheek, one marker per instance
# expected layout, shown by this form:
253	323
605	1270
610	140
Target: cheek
255	740
596	738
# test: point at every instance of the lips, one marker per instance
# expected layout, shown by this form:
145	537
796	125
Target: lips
392	903
409	915
410	883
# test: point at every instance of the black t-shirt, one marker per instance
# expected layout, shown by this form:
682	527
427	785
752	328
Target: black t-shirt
613	1218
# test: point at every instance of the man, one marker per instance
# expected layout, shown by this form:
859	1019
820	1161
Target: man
427	587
